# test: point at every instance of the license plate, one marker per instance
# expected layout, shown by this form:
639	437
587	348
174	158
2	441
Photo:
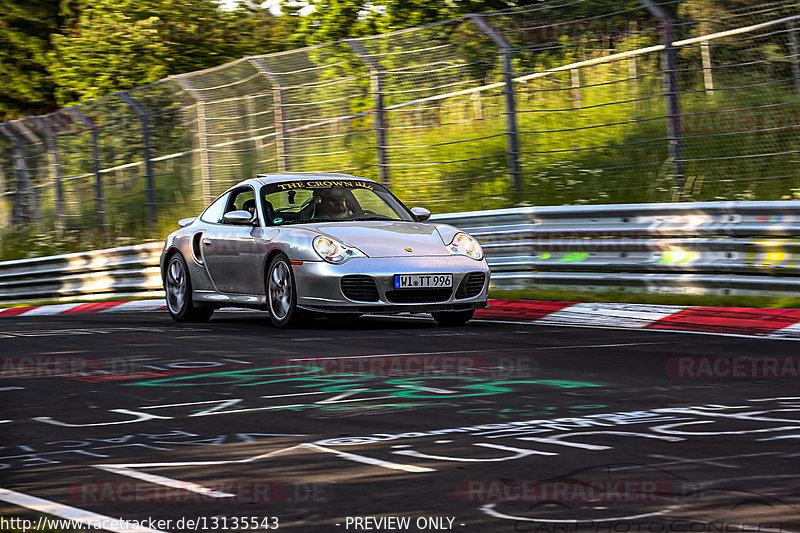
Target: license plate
422	281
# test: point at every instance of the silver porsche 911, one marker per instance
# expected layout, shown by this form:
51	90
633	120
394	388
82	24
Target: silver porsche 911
300	244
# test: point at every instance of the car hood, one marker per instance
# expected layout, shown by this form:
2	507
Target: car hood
387	238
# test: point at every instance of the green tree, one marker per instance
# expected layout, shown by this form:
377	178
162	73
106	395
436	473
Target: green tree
120	44
25	41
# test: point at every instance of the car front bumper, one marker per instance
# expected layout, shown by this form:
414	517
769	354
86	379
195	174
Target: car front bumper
319	284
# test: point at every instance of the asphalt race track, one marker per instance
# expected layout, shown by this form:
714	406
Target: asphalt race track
395	424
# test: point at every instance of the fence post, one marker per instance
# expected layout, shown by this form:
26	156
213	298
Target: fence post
202	136
7	218
55	169
20	209
150	185
98	179
708	73
670	57
281	142
633	75
379	121
793	52
512	130
575	80
33	197
252	125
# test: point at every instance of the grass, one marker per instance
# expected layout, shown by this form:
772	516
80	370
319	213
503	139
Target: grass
771	302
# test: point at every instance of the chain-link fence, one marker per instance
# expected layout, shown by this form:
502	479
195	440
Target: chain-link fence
551	104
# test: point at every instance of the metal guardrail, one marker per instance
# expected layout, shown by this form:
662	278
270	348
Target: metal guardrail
125	272
693	248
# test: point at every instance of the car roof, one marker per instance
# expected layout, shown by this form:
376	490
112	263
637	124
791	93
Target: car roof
264	179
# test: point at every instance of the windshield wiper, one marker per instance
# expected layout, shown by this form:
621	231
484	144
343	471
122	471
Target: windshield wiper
374	217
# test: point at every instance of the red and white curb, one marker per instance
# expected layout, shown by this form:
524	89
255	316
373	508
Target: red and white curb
744	321
82	308
770	323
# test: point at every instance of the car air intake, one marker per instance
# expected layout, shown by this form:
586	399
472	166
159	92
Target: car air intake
360	288
416	296
471	285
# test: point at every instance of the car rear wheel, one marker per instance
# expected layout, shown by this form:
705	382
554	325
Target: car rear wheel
453	318
178	289
281	293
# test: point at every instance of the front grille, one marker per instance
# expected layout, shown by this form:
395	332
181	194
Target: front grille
415	296
360	288
471	285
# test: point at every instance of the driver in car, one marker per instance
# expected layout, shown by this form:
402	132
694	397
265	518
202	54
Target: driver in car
332	204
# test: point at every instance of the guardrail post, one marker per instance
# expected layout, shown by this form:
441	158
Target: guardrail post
512	130
202	136
379	120
98	178
281	141
670	58
150	185
55	169
793	52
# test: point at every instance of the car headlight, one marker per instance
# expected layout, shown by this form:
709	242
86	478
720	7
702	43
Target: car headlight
334	251
464	244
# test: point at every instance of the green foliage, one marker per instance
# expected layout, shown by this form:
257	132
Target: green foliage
25	40
120	44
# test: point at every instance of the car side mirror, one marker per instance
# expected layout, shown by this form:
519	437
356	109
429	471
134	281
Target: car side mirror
239	218
420	213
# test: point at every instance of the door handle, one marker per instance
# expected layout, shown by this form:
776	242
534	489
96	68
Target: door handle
206	242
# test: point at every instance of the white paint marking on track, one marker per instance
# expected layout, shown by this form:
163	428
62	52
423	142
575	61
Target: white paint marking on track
296	394
4	421
489	509
700	460
200	463
369	460
597	345
167	482
71	513
129	469
682	460
397	355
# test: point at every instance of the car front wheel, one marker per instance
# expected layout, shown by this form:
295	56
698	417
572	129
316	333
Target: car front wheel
281	293
453	318
178	289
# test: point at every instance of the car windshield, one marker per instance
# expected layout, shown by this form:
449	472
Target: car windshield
295	202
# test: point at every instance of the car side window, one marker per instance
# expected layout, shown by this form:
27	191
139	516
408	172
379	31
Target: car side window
243	199
214	212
